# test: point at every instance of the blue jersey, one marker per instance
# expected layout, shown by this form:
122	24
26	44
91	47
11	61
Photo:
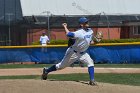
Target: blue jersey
82	39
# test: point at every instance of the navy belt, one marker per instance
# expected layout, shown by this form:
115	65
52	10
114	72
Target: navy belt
79	52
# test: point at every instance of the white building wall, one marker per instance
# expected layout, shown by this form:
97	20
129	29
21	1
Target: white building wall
79	7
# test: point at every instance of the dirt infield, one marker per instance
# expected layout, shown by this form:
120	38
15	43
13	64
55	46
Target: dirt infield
40	86
38	71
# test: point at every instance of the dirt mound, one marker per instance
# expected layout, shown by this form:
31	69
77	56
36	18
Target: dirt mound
39	86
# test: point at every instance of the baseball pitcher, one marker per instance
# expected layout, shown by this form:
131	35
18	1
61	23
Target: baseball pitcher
83	37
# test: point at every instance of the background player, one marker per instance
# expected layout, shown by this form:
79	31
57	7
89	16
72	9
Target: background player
44	39
83	38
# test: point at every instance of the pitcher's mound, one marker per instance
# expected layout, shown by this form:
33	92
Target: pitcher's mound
40	86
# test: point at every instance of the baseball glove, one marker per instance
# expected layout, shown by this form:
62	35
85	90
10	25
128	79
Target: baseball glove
98	37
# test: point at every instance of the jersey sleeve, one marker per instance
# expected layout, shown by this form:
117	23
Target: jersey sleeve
70	34
77	34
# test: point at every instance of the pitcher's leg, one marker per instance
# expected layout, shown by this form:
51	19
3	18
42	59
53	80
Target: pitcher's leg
63	63
67	60
91	72
87	60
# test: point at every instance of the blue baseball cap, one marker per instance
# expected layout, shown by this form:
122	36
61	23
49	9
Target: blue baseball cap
83	20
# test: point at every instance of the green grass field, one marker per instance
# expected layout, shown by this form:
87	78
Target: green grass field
9	66
125	79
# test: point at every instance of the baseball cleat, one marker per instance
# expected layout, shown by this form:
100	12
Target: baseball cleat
44	74
92	83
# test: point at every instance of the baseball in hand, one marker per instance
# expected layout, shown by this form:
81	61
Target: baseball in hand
64	24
